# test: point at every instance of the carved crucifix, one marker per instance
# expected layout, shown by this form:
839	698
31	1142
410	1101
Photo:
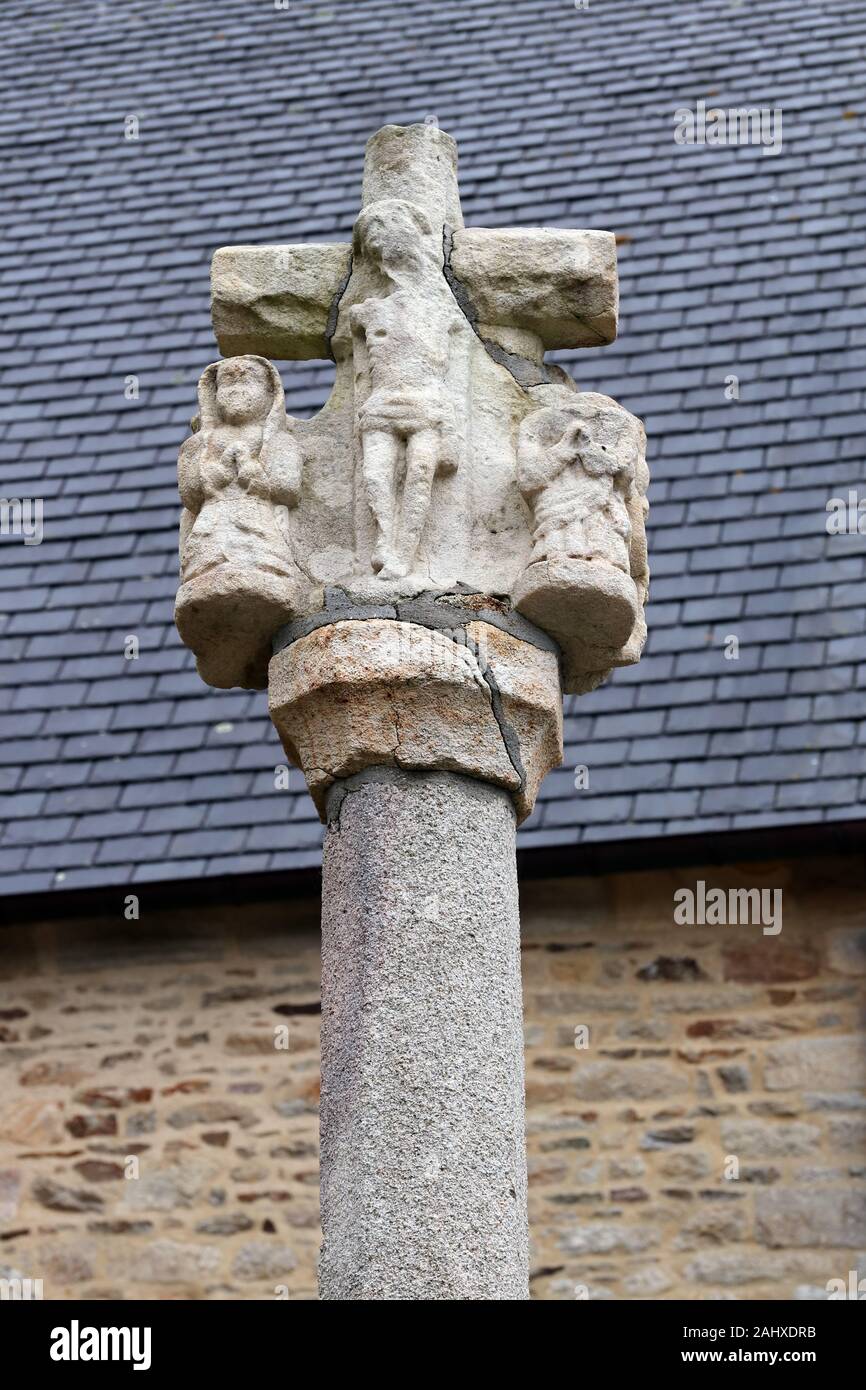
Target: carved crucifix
412	471
416	574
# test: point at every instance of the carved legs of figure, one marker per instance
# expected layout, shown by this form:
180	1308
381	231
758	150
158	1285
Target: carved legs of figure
397	537
381	451
422	460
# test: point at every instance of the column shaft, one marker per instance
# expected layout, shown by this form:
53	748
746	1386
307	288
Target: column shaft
423	1166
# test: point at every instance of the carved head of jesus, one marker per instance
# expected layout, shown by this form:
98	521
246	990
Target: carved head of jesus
397	234
244	390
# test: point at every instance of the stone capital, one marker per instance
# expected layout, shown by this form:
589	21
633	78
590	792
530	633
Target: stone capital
373	692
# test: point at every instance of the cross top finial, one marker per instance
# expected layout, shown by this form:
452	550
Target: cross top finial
415	163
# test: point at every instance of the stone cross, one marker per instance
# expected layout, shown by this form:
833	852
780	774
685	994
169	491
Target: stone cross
416	574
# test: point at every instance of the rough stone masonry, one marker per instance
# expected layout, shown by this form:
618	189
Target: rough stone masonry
416	574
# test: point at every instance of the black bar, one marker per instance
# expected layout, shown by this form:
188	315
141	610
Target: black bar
260	1339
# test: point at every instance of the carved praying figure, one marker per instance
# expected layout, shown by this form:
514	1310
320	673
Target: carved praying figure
239	461
582	470
406	420
237	467
576	466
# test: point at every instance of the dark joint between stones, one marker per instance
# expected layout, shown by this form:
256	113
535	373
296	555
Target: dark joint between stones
334	311
457	288
447	617
524	372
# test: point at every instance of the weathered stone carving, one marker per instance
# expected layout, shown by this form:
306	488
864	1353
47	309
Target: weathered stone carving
239	579
450	458
582	470
438	333
554	287
406	416
372	692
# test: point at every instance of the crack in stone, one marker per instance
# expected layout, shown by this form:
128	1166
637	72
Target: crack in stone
506	732
524	372
456	631
457	288
342	787
334	311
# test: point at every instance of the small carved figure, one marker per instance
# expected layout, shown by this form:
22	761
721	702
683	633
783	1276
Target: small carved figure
239	462
576	467
401	346
239	579
581	468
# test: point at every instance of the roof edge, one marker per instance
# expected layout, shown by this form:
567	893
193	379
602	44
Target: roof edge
561	861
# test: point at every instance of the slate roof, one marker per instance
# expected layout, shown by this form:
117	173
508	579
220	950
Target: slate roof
252	122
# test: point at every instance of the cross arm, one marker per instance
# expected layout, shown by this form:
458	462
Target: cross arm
277	301
558	284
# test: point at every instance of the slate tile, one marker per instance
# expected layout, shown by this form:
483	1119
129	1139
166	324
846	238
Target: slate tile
105	273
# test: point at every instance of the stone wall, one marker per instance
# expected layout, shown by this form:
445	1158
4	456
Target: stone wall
156	1040
706	1044
157	1140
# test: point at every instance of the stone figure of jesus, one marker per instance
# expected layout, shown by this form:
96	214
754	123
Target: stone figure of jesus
408	431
